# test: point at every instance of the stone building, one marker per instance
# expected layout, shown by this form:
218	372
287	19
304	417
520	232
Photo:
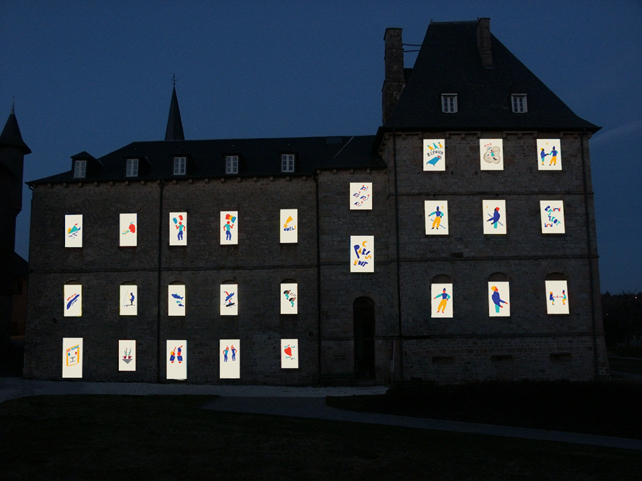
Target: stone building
457	244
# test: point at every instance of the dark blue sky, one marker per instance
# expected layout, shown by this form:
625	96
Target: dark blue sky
96	76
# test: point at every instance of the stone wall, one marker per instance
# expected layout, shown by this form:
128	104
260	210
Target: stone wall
457	349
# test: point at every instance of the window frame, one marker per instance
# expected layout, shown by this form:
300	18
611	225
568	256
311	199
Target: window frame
449	103
180	165
80	169
288	161
131	167
519	103
231	164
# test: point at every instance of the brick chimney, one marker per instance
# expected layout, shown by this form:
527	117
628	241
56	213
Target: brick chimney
483	42
394	82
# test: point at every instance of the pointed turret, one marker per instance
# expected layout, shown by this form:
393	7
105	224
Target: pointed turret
11	136
12	152
174	124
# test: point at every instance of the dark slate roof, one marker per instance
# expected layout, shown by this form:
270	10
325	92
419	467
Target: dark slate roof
257	157
449	62
174	129
11	136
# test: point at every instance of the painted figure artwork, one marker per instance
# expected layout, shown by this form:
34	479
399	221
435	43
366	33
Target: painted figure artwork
128	300
72	352
360	195
441	300
552	216
289	353
557	297
491	154
230	359
288	223
289	298
229	227
73	300
176	360
361	253
176	300
229	304
128	230
498	299
73	231
178	228
126	355
436	212
494	215
434	155
549	154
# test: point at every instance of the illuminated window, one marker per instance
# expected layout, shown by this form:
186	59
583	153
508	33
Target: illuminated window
180	165
519	103
80	169
232	164
449	103
132	168
287	162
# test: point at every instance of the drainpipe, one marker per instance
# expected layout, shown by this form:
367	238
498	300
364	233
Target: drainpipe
394	156
158	282
590	259
316	181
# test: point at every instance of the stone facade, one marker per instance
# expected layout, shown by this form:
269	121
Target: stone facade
351	327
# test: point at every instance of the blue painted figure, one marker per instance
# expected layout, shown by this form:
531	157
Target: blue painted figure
497	300
233	353
495	218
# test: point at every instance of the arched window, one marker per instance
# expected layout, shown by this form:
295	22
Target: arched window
498	295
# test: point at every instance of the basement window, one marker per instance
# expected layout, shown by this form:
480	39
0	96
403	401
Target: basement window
518	101
561	357
80	169
501	358
449	103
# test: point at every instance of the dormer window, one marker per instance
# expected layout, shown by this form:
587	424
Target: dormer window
131	169
180	165
80	169
519	103
287	162
231	164
449	103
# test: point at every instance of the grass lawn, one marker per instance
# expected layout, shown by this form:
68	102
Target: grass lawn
626	365
170	437
608	409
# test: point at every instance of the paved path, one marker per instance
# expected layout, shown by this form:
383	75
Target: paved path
305	402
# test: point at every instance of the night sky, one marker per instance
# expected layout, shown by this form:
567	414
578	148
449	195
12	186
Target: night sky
97	75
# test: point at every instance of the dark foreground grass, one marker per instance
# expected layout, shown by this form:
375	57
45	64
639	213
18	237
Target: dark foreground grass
608	409
169	437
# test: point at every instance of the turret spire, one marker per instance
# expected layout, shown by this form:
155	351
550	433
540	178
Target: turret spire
11	136
174	124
